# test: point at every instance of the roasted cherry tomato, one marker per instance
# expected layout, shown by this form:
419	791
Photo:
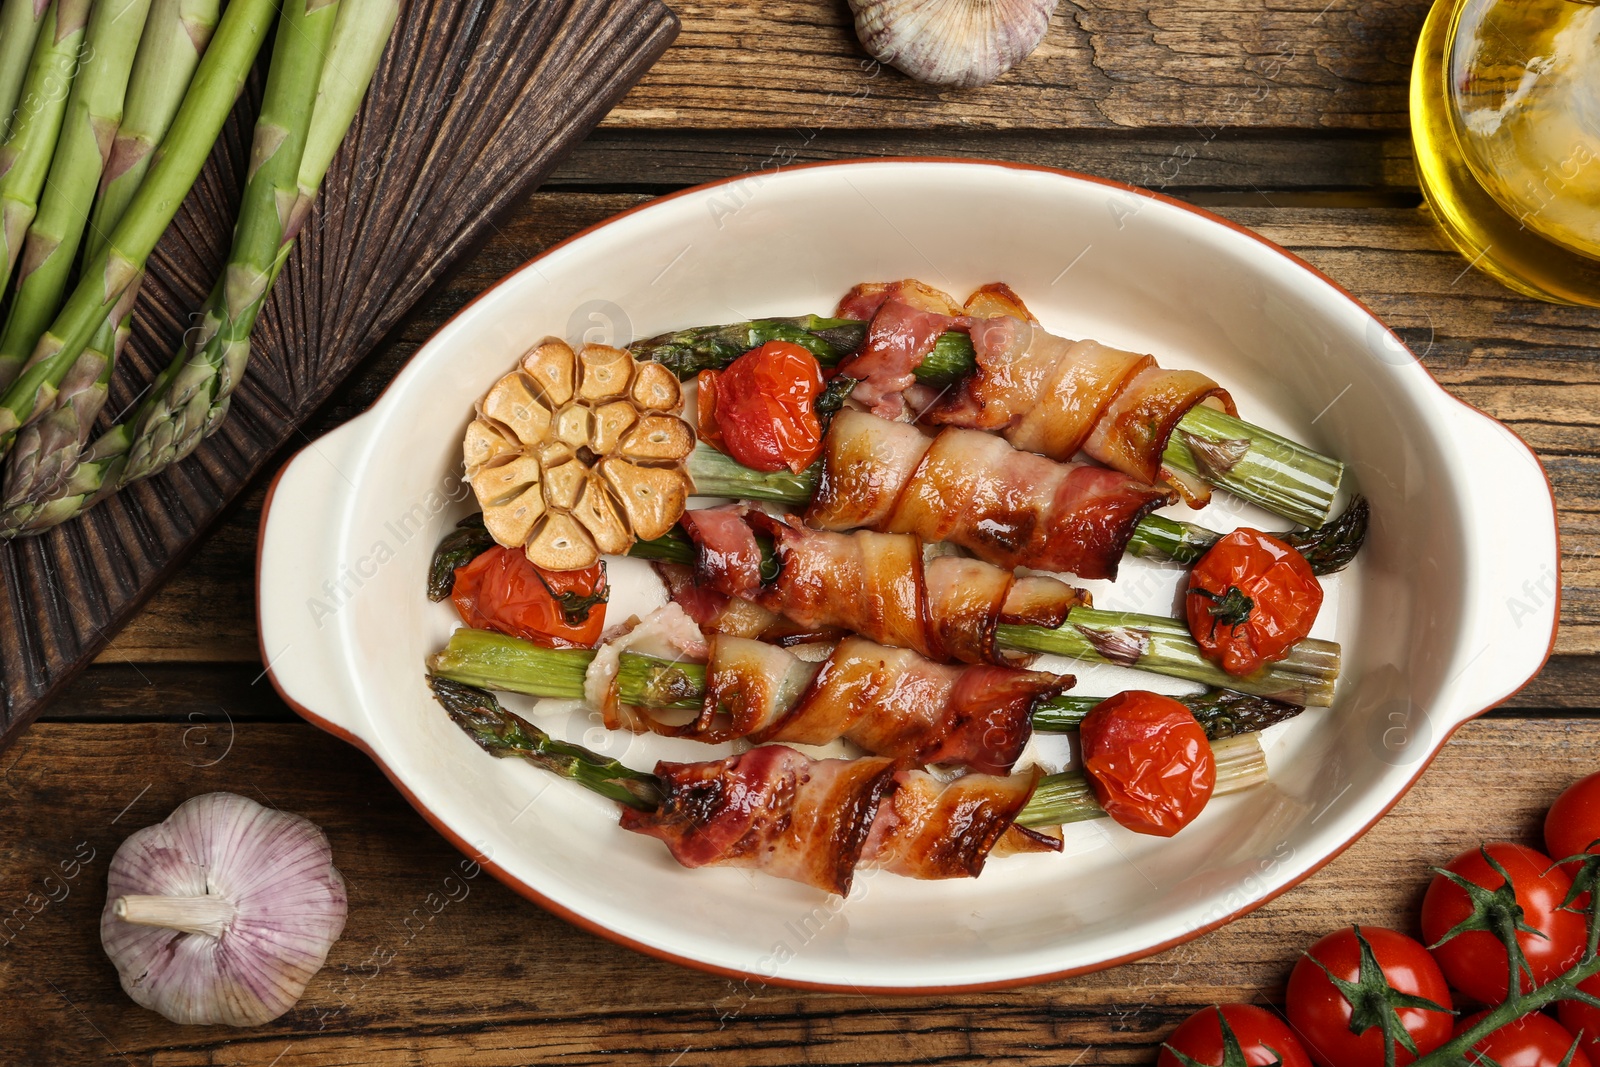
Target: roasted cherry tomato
1251	597
1531	1041
501	590
1148	760
1262	1039
1581	1017
1572	824
1475	961
761	410
1361	979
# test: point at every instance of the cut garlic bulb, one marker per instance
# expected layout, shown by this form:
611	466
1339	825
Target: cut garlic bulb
222	913
961	43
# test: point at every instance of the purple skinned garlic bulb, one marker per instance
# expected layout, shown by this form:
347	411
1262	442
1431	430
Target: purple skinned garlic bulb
222	913
960	43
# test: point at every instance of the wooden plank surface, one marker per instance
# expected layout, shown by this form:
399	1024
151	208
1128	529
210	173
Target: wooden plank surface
439	967
1302	64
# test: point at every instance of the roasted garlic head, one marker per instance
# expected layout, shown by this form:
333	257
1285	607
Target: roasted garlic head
574	454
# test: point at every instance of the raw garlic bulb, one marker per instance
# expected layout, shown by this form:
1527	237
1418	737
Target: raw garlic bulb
961	43
222	913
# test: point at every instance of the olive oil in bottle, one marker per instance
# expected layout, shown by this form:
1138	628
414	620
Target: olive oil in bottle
1505	119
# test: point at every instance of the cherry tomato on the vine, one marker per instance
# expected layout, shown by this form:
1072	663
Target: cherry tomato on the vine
1149	761
1361	988
1581	1017
761	409
1475	961
1573	822
1532	1041
1262	1038
1250	598
502	590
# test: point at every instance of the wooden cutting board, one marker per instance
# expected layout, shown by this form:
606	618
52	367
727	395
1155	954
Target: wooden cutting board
474	102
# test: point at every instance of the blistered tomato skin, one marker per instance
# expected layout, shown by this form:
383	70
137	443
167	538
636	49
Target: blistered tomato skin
502	590
1532	1041
1475	962
1149	762
1262	1037
1250	598
761	409
1320	1013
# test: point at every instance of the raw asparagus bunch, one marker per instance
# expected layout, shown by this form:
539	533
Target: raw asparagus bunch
190	397
1264	468
176	32
34	128
106	278
1058	799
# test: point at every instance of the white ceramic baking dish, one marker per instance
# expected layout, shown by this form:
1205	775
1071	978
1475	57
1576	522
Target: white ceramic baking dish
1451	608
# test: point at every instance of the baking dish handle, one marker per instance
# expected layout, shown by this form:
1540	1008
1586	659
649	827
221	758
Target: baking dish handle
297	563
1512	593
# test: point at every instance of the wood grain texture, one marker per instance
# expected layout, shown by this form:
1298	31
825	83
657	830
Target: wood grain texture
474	102
441	967
1105	64
1536	366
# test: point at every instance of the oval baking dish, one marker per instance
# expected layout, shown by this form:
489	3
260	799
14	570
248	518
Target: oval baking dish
1451	608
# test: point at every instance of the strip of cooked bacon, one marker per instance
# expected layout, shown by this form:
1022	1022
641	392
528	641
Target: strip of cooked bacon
888	701
878	586
930	828
772	809
1044	393
1009	507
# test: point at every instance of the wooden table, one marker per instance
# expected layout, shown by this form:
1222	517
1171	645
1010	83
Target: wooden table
1287	117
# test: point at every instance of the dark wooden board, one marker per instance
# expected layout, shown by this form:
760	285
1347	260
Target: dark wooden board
473	104
439	968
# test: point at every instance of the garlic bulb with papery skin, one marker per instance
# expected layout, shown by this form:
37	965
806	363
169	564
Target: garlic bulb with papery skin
963	43
222	913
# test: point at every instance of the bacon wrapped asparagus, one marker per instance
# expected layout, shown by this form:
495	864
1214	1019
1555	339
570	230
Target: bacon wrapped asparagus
816	822
878	585
1009	507
995	369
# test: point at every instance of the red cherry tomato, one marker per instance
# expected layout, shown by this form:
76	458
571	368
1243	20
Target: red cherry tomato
1572	824
501	590
1149	762
1251	597
1262	1037
1583	1020
1531	1041
1320	1011
762	409
1475	961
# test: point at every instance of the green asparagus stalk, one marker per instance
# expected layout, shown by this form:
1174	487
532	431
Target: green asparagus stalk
1257	465
107	276
20	22
35	127
1058	799
172	424
500	733
94	111
1305	677
48	448
1329	547
491	661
